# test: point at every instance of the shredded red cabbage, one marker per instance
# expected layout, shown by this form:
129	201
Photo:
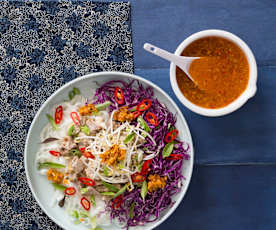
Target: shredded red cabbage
155	202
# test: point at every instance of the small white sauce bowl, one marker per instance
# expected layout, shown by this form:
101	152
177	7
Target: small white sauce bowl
249	91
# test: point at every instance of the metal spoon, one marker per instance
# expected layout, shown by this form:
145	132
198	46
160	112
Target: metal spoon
181	61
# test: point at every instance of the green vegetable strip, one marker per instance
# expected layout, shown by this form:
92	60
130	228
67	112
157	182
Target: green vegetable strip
84	214
106	171
75	152
71	95
144	190
133	109
85	129
121	191
143	124
103	105
75	214
108	193
50	165
52	122
76	91
111	187
140	166
59	187
131	215
92	199
71	130
129	138
167	149
84	190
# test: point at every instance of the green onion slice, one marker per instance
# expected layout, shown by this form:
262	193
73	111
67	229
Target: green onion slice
167	149
50	165
144	190
52	122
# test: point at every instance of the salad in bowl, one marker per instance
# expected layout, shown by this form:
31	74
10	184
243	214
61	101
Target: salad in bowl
114	158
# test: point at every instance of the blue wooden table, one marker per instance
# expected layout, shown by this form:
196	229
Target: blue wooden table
234	180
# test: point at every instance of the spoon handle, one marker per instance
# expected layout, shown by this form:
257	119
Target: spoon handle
161	53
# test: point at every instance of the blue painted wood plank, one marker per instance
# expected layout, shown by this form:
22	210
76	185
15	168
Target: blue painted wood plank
228	197
167	23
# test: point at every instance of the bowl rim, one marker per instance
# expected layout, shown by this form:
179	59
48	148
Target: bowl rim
125	75
242	99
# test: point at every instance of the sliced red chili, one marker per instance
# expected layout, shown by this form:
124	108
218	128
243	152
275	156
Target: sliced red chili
86	181
58	114
136	114
144	105
117	202
70	191
85	203
119	96
171	135
75	117
151	118
54	153
86	153
138	177
82	149
145	167
175	157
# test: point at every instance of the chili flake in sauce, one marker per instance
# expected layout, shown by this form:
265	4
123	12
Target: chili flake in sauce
221	77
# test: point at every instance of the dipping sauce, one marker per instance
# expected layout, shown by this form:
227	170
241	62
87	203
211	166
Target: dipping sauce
221	77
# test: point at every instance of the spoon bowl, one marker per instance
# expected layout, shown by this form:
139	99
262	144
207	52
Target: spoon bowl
181	61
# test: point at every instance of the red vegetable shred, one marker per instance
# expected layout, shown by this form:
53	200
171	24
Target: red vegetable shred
135	94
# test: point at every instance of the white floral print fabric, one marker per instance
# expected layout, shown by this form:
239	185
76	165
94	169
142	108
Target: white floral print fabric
43	45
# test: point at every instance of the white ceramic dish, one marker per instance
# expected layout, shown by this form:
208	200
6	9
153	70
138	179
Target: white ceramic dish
40	186
242	99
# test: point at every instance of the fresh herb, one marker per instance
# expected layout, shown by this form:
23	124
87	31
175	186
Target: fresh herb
50	165
84	190
76	91
129	138
73	93
144	190
84	214
171	128
106	171
121	165
71	130
59	187
121	191
75	214
102	106
75	152
108	193
131	214
52	122
133	109
92	200
143	124
111	187
167	149
140	166
85	129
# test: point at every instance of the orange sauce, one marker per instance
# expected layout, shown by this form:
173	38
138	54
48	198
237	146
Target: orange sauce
220	78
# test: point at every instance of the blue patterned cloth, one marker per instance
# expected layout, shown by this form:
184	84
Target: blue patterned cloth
43	45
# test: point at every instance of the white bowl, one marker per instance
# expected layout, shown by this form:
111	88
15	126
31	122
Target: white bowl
249	91
40	186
